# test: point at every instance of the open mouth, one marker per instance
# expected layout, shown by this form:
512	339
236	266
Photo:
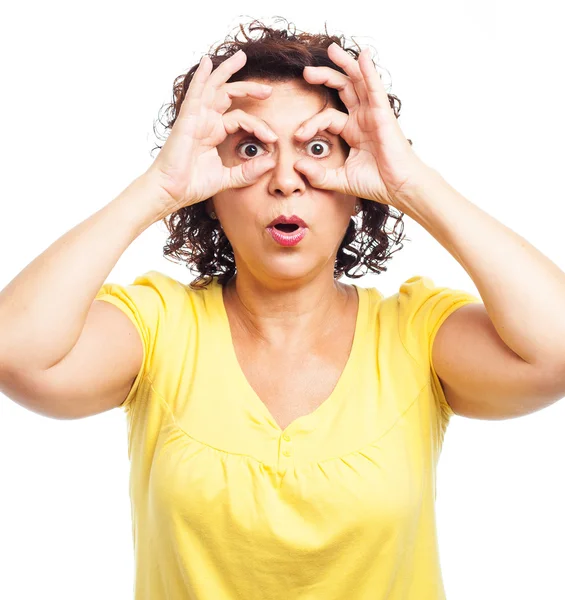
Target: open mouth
287	227
287	234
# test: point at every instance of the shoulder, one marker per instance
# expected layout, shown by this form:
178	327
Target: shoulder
160	281
150	297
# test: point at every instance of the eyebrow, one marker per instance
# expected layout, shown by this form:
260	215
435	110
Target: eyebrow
243	132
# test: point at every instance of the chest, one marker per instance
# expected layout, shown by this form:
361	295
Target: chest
292	384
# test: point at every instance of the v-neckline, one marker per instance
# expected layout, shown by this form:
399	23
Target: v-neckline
250	396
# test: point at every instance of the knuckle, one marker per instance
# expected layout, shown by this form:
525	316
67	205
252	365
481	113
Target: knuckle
236	114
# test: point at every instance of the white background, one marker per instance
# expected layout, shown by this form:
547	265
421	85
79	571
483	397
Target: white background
481	87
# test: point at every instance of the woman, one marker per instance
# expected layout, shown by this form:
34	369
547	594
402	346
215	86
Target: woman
284	427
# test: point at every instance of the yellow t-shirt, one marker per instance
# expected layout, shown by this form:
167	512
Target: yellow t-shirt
337	506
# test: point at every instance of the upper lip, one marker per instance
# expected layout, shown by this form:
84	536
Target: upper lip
293	219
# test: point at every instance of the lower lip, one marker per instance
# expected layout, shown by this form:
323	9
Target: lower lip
287	239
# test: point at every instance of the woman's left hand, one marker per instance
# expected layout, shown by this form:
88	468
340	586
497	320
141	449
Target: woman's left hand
381	164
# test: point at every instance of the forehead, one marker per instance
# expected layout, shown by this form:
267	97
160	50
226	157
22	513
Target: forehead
290	102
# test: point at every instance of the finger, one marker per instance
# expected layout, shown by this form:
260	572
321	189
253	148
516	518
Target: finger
191	102
330	119
377	96
226	69
221	74
239	89
344	60
321	177
249	172
334	79
237	119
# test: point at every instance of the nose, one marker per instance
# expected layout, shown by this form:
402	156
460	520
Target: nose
285	179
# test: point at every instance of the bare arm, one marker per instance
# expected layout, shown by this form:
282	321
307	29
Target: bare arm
61	353
44	308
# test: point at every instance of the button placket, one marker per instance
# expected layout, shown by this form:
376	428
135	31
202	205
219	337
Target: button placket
286	446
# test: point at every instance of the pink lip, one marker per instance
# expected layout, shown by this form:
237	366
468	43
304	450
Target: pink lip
287	239
286	220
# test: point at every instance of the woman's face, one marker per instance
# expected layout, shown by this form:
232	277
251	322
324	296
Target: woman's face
244	213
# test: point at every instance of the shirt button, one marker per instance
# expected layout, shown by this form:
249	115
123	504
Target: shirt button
286	452
286	437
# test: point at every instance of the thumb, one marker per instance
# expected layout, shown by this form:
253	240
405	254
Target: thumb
319	176
250	171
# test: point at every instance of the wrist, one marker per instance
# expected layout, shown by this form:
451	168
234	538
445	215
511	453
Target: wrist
420	185
142	203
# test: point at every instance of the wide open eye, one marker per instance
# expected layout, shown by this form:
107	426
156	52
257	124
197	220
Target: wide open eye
248	149
317	147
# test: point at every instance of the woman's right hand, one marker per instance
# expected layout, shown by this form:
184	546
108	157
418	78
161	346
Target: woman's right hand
188	168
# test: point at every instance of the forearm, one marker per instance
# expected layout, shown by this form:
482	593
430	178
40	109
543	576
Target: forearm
523	291
44	308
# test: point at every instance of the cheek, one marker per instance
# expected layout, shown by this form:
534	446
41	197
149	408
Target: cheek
237	208
339	206
333	218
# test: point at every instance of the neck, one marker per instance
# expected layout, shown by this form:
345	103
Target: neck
288	314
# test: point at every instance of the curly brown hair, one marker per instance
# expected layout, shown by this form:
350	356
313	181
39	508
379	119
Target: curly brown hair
276	54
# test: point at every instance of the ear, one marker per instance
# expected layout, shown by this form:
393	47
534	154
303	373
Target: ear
210	206
357	206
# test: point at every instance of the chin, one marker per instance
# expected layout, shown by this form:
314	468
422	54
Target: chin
291	268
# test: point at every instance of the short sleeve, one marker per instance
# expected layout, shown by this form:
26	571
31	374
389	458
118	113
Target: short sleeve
423	308
146	302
